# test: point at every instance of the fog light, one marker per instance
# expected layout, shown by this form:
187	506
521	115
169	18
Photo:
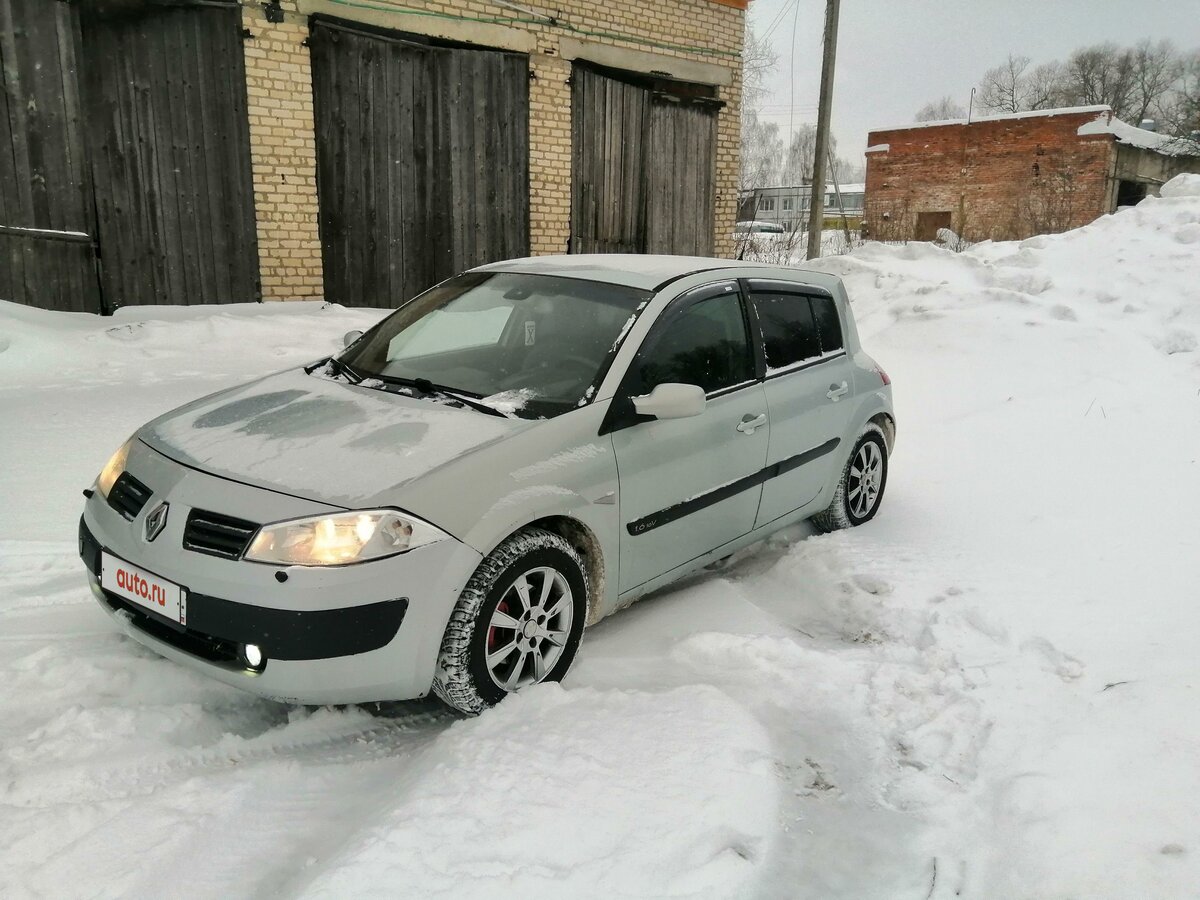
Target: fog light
253	655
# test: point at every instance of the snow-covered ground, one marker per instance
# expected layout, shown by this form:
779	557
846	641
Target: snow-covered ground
991	691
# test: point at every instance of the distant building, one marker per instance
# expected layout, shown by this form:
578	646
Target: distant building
789	206
1013	176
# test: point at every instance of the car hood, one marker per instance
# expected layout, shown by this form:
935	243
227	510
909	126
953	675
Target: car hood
322	439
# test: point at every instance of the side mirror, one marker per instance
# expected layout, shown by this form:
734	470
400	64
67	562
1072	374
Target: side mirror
672	401
350	337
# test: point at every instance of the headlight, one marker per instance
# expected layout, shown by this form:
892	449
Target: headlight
113	468
341	539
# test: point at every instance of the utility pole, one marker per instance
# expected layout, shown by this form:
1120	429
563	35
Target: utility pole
816	213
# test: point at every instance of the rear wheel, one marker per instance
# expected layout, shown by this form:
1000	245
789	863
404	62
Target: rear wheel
859	491
518	622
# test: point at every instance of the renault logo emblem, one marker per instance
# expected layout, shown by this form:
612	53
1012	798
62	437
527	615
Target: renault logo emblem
156	520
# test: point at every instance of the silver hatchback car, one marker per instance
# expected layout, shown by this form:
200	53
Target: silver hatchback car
505	459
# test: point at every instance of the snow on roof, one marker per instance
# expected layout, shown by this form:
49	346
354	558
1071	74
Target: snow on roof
1139	137
1060	111
846	188
878	148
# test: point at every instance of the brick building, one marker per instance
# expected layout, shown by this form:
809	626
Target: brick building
223	150
1009	177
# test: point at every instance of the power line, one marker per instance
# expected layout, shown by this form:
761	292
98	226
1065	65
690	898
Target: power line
779	18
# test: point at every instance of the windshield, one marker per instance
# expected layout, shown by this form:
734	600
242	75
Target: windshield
533	345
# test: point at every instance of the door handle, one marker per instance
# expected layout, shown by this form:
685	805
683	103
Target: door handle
836	390
750	422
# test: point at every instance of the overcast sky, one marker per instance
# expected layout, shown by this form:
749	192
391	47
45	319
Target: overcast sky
894	56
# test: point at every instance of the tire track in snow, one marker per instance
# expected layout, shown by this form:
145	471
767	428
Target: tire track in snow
87	782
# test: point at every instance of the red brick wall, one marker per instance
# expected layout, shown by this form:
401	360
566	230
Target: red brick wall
1002	179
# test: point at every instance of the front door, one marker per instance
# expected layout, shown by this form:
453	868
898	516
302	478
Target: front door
691	485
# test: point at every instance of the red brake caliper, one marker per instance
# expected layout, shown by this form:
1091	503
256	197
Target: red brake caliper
491	638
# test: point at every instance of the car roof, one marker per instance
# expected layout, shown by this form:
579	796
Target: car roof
637	270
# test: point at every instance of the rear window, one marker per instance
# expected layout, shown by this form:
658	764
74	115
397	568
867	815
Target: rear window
797	328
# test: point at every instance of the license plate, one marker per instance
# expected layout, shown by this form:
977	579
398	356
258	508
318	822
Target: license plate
144	589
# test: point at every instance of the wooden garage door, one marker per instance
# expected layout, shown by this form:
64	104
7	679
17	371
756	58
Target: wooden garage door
169	143
47	256
643	163
422	160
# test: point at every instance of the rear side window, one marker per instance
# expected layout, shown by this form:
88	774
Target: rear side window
706	344
797	328
829	326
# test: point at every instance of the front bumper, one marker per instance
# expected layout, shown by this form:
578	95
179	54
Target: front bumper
352	634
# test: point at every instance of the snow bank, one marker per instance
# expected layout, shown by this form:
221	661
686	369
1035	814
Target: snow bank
203	341
570	794
1181	186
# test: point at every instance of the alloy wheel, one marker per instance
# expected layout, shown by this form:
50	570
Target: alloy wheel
529	628
866	477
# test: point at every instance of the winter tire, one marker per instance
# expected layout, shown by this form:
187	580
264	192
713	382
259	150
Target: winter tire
518	622
860	489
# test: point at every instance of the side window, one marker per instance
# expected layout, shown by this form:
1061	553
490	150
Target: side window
789	331
797	328
706	344
829	326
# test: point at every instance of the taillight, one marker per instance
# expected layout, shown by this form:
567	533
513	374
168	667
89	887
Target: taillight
882	374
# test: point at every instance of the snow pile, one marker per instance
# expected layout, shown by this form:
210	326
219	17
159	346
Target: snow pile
204	342
987	692
570	793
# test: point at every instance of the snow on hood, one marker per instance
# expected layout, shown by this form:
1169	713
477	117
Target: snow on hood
322	439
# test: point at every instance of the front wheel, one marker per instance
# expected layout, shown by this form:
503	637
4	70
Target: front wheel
860	489
518	621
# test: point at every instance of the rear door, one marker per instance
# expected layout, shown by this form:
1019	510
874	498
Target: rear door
808	376
690	485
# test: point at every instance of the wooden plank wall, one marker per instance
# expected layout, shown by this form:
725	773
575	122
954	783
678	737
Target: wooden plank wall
608	148
43	167
170	145
422	161
643	168
680	186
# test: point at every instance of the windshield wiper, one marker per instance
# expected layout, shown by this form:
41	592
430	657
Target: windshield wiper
345	369
425	386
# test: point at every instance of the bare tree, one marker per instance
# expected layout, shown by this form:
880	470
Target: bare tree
1042	88
1150	78
762	153
849	171
1003	87
1101	74
762	146
937	110
798	162
1178	109
1156	68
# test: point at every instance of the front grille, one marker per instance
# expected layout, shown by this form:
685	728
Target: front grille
217	535
128	495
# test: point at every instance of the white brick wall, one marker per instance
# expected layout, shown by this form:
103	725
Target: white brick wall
283	149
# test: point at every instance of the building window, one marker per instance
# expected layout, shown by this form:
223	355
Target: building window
767	204
787	202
